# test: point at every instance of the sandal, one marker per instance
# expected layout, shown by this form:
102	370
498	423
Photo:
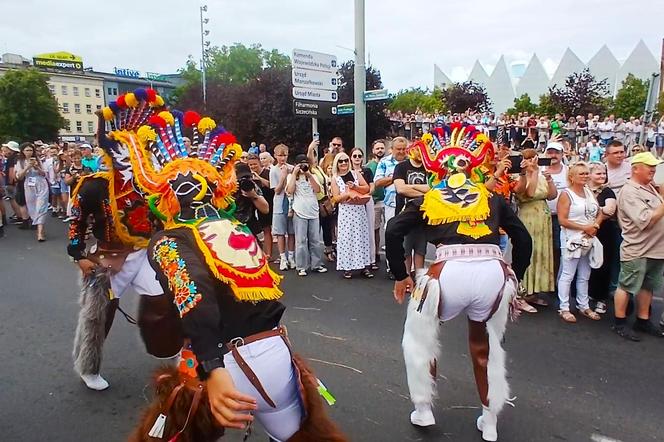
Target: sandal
348	275
367	274
588	313
567	316
525	307
374	266
534	299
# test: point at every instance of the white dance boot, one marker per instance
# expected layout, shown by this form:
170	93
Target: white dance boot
422	416
94	382
487	423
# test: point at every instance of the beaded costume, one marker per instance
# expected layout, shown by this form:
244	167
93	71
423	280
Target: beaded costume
109	203
462	218
224	291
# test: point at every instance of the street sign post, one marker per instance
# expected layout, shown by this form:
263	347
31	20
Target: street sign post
315	61
314	109
315	86
315	79
376	94
314	94
345	109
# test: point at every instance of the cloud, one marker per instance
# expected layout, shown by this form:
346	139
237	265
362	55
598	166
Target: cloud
404	39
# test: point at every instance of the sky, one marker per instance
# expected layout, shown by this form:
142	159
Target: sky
404	38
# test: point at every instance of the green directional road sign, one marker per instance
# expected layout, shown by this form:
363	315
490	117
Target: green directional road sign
377	94
345	109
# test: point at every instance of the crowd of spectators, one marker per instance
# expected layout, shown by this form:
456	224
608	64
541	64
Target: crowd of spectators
585	193
37	178
587	134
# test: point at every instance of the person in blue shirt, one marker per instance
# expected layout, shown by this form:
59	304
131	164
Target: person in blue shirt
89	160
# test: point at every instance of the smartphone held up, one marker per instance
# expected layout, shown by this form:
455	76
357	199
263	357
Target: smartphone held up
517	159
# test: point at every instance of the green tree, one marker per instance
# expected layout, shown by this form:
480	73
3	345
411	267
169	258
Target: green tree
28	111
631	98
547	106
459	97
523	104
581	95
409	100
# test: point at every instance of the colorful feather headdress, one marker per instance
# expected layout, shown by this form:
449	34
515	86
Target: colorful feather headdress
163	166
453	148
133	109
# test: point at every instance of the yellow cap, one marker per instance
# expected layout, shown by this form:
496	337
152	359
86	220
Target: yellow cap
646	158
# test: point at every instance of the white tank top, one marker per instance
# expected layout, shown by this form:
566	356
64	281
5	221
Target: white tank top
581	211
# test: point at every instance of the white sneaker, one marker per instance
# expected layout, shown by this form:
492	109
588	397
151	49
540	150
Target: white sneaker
320	269
600	307
283	264
291	263
487	424
301	272
422	416
94	382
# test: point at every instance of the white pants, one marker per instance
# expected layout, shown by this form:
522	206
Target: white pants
136	273
271	360
568	268
471	285
389	213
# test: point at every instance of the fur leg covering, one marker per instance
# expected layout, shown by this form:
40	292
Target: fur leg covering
317	425
421	343
200	426
92	324
499	390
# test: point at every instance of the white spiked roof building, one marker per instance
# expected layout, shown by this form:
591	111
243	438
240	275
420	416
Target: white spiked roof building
502	88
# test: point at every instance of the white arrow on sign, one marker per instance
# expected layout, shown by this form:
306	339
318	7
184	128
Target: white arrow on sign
314	94
315	79
314	61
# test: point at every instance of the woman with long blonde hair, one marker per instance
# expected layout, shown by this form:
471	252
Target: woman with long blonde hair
353	247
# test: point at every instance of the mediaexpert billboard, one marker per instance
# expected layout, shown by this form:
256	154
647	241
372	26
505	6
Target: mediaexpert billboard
64	61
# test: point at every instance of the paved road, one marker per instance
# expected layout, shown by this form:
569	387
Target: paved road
572	382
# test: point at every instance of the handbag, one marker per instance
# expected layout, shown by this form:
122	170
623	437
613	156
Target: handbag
325	207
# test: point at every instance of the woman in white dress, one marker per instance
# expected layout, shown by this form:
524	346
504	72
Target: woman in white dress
353	246
30	171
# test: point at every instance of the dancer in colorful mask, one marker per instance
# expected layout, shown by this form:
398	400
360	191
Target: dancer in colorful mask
118	259
226	295
462	218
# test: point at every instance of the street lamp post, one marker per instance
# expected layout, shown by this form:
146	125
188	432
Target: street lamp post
360	79
204	46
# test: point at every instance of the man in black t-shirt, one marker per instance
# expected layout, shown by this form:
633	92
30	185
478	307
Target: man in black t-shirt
410	181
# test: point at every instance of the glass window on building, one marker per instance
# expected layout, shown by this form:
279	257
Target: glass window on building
98	106
79	126
97	93
88	108
87	91
63	89
77	108
115	91
91	127
65	108
75	91
51	88
67	125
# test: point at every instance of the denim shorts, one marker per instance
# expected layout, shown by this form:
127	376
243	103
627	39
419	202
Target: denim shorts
282	224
